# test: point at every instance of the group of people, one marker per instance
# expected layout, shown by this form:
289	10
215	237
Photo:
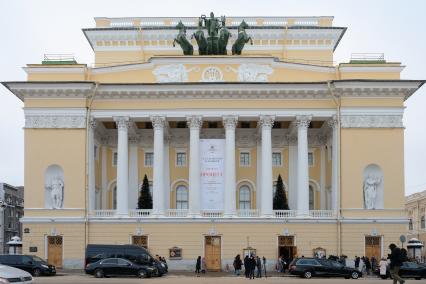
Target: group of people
365	264
252	263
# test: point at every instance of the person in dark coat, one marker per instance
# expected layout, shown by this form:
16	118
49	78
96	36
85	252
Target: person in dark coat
258	267
264	265
237	265
252	265
246	266
367	265
396	259
357	260
198	266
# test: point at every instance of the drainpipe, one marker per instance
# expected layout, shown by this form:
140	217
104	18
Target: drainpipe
86	195
337	101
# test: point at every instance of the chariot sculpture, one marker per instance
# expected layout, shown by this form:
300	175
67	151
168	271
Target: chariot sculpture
217	39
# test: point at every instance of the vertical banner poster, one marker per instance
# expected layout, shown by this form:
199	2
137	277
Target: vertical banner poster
212	156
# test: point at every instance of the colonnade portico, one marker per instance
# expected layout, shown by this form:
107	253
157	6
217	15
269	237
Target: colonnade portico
161	188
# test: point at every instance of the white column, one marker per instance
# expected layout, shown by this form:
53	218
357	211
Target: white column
166	173
158	123
104	176
133	173
302	123
91	165
292	172
266	123
194	124
333	123
322	177
230	122
122	165
258	172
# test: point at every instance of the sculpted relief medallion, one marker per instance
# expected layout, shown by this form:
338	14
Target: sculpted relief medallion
252	72
173	73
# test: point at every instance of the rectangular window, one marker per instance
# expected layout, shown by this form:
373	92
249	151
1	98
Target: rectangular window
149	159
244	159
114	158
276	159
180	159
311	161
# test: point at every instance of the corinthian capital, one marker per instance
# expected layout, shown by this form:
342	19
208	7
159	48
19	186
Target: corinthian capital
194	121
230	121
92	123
303	121
266	121
158	122
122	122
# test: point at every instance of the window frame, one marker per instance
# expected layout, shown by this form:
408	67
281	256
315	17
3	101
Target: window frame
244	186
113	159
181	151
146	165
312	152
281	158
244	151
181	201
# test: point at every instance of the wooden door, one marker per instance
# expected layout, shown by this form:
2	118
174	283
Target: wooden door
141	241
373	247
212	253
54	250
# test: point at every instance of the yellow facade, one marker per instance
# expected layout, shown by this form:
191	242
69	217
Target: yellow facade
281	78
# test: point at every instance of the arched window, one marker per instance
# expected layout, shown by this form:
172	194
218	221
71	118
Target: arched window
311	198
114	197
181	197
422	222
244	197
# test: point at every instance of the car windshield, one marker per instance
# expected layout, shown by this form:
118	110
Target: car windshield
38	259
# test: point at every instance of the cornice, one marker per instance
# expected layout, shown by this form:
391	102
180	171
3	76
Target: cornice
371	121
67	70
371	69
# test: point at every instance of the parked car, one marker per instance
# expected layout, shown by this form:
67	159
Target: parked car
118	267
310	267
29	263
14	275
135	254
407	270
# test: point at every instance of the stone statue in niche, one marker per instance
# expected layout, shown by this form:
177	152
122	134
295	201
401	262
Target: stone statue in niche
56	190
371	185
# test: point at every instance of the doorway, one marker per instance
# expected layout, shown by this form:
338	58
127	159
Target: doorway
54	250
286	249
373	247
212	252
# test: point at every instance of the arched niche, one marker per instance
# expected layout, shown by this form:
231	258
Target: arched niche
373	187
54	187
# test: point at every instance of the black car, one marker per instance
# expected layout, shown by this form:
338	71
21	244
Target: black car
118	267
133	253
309	267
30	263
407	270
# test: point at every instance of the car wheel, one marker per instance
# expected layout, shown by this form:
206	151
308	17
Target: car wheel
354	275
99	273
141	273
307	274
36	272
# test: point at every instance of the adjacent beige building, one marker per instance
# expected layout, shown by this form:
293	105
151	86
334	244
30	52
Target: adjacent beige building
212	134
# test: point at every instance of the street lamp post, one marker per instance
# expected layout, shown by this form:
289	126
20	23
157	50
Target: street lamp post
3	205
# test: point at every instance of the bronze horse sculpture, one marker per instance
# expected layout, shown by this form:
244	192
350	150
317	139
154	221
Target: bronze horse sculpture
242	39
224	35
201	39
186	46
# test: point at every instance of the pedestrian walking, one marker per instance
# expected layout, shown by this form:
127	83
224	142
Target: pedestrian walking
198	266
383	264
237	265
264	266
246	266
367	265
396	259
373	263
259	267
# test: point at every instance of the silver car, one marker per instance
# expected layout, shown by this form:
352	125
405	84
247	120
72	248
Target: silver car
14	275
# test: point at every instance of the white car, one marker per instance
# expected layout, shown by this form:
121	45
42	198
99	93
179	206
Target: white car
14	275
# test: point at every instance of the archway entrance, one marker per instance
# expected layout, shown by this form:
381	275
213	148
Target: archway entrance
286	248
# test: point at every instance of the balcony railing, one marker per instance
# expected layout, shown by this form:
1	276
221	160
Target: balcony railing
140	213
322	213
285	213
177	212
212	213
103	213
248	213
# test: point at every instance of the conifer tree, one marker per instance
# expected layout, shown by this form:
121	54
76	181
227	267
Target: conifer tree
280	198
145	198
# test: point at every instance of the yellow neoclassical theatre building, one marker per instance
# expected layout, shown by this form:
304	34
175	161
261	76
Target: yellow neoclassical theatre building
212	133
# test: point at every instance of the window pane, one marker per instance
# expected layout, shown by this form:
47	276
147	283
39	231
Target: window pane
244	159
311	159
180	159
149	159
181	197
114	158
244	197
276	159
311	198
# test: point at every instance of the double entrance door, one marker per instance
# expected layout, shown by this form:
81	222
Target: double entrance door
373	247
212	252
54	250
286	249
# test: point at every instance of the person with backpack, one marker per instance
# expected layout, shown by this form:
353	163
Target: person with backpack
396	259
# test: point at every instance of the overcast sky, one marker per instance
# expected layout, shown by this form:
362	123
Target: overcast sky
29	29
